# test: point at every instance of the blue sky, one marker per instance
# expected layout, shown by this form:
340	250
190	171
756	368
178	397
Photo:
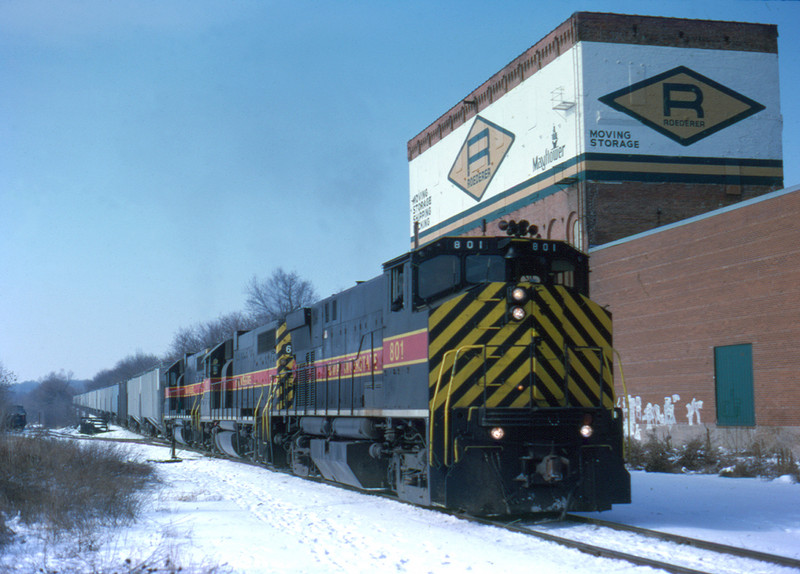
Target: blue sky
156	155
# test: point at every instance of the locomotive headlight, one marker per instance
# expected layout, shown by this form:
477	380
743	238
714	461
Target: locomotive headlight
497	433
518	313
587	430
519	294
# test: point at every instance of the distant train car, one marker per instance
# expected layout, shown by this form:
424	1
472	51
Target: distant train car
475	373
111	402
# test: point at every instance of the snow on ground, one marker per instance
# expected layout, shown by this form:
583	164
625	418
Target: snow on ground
749	513
211	512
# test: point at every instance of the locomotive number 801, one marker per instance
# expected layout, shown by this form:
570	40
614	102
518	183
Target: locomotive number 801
474	373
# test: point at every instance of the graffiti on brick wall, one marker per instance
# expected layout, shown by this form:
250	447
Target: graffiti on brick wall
693	410
655	415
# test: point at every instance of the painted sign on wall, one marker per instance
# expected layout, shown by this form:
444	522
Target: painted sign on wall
681	101
500	156
602	111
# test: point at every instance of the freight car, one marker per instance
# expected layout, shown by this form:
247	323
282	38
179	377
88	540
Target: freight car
145	402
110	403
474	374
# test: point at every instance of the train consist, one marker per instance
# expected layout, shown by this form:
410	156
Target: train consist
474	374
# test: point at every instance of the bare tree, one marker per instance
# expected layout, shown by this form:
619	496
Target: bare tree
207	335
223	327
51	401
7	378
278	295
185	340
125	369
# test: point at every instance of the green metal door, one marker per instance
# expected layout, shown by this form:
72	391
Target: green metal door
733	367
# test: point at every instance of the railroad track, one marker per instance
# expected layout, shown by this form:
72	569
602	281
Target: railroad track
152	441
692	542
668	554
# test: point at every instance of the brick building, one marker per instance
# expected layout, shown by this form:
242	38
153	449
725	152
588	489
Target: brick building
610	125
641	138
707	318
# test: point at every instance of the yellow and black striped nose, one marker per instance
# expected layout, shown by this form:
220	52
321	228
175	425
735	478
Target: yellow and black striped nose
574	341
519	346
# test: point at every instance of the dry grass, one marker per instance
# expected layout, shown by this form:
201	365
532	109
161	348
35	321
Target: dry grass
67	486
73	491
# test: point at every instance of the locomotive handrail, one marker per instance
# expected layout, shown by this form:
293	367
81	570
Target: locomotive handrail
267	414
626	445
337	368
371	352
255	412
446	430
449	394
195	413
339	388
352	387
432	408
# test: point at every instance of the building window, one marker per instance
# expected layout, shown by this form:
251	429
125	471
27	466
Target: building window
577	234
551	229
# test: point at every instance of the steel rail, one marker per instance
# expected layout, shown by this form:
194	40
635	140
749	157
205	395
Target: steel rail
694	542
588	548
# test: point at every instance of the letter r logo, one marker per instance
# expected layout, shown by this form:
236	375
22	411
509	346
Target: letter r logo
682	104
696	104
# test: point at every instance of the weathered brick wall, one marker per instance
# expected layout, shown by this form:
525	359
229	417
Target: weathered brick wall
678	32
621	209
552	215
729	278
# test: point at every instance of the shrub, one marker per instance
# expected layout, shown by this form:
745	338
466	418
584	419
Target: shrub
651	456
65	485
697	455
786	464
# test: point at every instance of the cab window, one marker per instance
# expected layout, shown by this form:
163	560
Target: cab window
563	272
484	268
397	288
438	275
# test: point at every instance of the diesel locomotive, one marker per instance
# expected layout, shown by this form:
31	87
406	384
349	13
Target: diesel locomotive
474	373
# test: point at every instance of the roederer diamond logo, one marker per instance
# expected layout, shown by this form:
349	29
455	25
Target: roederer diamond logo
479	158
683	105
